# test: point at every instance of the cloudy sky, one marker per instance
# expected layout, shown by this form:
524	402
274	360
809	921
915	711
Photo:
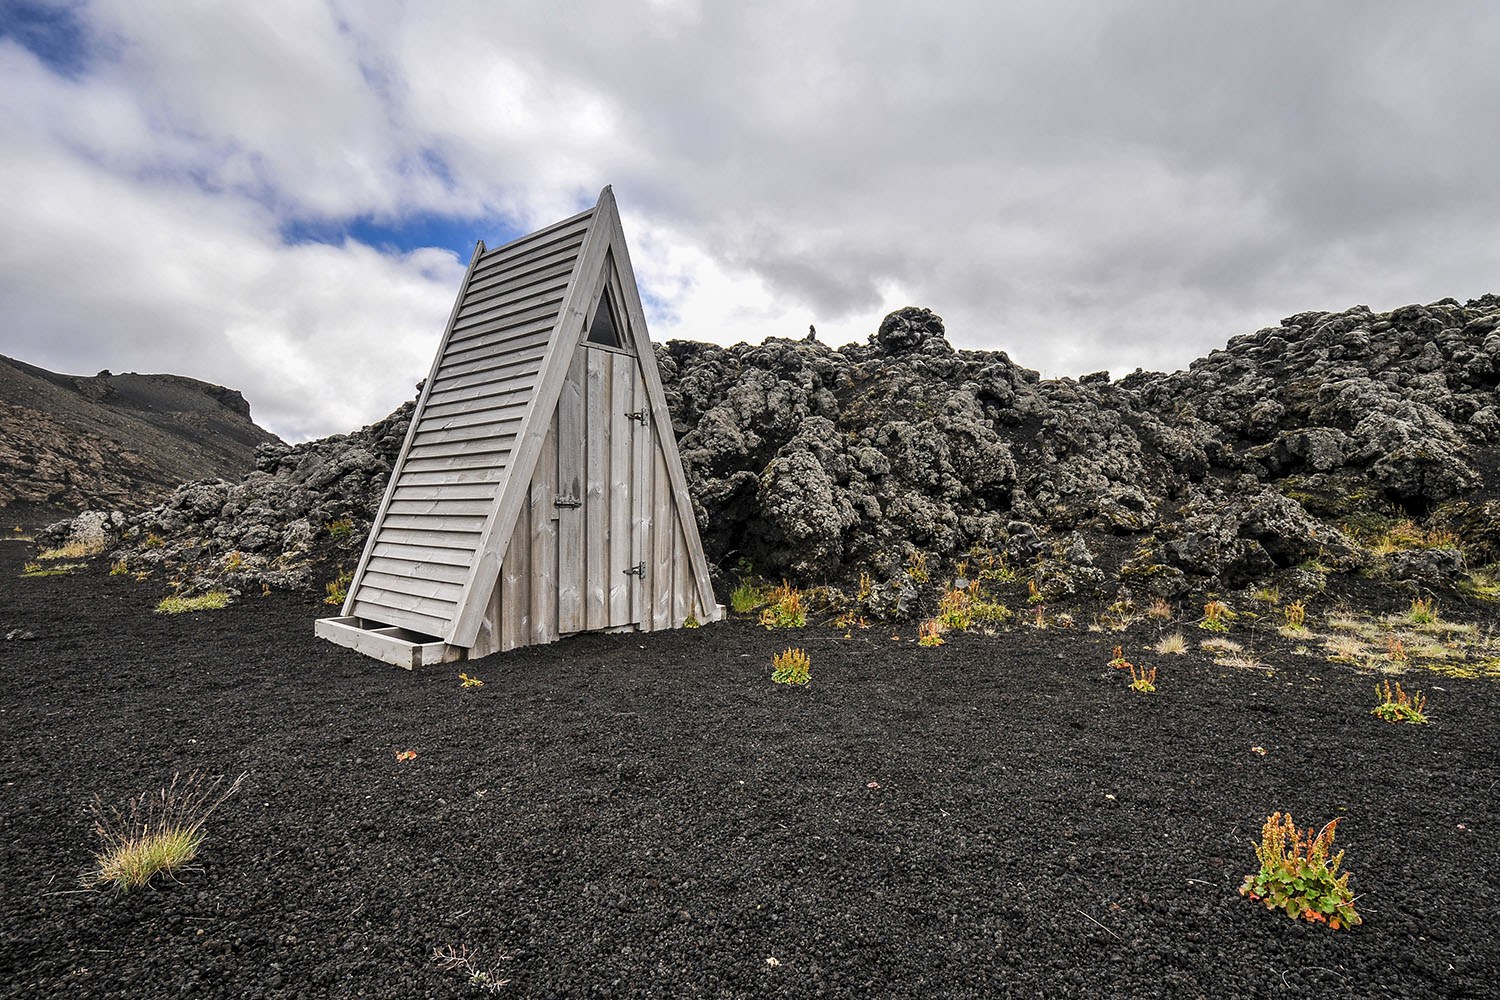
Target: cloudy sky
281	196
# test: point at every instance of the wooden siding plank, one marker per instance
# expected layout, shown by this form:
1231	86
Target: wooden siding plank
478	433
436	522
441	505
513	374
489	478
556	267
682	579
642	484
663	522
533	245
524	357
438	610
509	298
432	539
494	345
544	516
411	552
502	317
515	575
505	386
482	412
462	491
417	570
499	331
500	442
416	586
425	624
479	460
596	503
622	431
570	482
493	396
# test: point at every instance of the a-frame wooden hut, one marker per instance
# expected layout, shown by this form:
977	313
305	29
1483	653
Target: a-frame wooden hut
539	492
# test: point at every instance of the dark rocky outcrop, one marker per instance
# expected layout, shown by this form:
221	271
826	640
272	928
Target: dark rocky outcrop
1282	456
123	442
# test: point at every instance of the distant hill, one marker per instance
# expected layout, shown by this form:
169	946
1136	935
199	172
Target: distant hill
70	442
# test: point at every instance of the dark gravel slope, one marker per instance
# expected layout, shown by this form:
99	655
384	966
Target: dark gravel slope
650	816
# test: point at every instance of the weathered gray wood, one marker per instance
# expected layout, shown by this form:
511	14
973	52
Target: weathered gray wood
571	483
643	485
425	586
544	517
503	317
493	461
495	395
440	505
495	344
662	528
541	273
620	485
502	361
515	572
436	450
425	624
435	539
479	434
436	522
417	569
468	491
536	245
386	645
481	412
522	373
662	420
682	579
597	408
433	607
391	486
424	553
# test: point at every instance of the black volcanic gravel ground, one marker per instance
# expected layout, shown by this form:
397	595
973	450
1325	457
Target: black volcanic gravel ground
651	817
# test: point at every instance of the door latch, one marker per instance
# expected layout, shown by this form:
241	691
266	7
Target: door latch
639	415
567	500
639	569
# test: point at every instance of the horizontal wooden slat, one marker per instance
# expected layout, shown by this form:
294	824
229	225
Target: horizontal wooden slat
493	431
522	380
423	553
431	539
517	287
441	505
433	522
540	310
513	362
469	460
422	570
402	616
416	586
498	331
475	412
439	449
543	270
529	248
467	491
497	346
433	607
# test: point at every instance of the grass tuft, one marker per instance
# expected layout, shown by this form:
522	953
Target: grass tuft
211	601
73	550
156	832
1171	645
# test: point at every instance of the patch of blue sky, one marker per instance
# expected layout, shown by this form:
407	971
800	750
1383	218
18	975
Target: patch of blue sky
53	32
405	234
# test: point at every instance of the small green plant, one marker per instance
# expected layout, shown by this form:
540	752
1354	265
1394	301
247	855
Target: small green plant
955	609
1298	877
1033	593
33	570
234	562
930	634
1171	645
153	540
1039	617
791	666
211	601
916	566
465	681
1395	650
1216	617
460	960
989	612
337	589
1423	611
1118	660
1398	706
341	532
785	608
1142	679
866	588
119	569
156	832
691	622
1268	595
746	597
1295	617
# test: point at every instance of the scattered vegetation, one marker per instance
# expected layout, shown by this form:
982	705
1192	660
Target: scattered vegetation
1160	610
1294	617
33	570
1481	585
955	609
746	597
785	608
989	612
156	832
691	622
1395	650
1171	645
1216	617
916	566
1398	706
791	666
930	634
73	550
234	562
1118	660
1219	645
119	569
1422	612
153	540
465	681
341	532
866	588
211	601
336	591
460	960
1142	679
1406	534
1033	593
1268	595
1298	877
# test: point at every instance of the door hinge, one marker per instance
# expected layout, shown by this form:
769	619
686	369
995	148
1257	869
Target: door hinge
567	500
639	415
639	569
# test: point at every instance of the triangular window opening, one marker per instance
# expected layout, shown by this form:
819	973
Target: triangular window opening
605	329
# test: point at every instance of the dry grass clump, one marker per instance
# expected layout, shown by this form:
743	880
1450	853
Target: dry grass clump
156	832
73	550
211	601
33	570
1241	661
1172	645
1220	646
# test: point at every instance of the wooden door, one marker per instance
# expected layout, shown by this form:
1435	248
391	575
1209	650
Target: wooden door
601	438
